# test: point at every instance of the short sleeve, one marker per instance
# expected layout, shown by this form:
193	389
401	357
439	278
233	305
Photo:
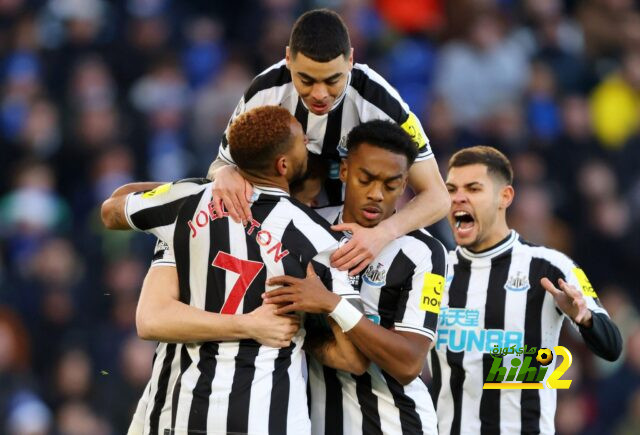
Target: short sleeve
420	309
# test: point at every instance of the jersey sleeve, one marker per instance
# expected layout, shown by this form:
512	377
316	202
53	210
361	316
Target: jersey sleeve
575	276
155	211
418	312
163	255
388	103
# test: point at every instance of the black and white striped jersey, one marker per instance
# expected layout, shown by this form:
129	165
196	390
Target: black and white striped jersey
232	386
494	298
401	289
366	97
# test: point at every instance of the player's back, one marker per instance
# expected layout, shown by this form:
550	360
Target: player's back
237	386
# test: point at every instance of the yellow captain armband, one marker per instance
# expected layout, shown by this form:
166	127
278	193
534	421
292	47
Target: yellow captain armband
164	188
585	285
432	290
413	127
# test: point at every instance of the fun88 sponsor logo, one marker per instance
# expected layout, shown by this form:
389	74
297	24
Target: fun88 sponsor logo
458	331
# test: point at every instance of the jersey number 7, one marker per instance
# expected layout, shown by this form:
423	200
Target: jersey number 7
247	269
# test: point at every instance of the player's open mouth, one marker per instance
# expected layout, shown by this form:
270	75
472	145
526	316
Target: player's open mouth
371	213
464	222
319	107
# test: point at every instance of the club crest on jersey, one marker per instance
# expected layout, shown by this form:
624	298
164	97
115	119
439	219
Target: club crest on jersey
375	275
518	283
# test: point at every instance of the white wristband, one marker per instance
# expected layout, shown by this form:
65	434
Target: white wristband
345	315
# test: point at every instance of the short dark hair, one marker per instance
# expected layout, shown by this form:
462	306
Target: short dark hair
496	162
321	35
256	137
383	134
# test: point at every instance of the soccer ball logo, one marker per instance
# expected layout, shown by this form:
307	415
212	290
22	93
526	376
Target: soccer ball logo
544	357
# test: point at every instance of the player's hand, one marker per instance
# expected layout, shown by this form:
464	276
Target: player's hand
301	294
271	329
230	189
570	300
364	246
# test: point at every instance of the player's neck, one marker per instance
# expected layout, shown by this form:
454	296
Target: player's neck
496	236
278	182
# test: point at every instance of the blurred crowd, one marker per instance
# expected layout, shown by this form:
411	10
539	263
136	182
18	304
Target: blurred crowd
97	93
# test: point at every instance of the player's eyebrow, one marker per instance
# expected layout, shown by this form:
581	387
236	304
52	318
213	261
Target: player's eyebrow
306	76
386	180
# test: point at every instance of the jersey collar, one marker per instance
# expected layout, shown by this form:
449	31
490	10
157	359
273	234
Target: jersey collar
502	246
264	190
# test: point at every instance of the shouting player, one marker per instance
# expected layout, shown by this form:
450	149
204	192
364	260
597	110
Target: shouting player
507	292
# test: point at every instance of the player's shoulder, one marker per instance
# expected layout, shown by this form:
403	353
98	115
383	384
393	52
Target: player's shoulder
305	218
422	243
367	84
276	75
553	256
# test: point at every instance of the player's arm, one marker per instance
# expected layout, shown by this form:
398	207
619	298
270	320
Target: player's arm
577	299
112	211
331	347
161	316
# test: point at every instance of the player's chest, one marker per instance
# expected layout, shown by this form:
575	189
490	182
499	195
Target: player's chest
381	290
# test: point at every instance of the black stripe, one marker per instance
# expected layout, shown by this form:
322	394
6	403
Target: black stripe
530	399
394	293
458	299
493	319
302	114
436	378
185	362
332	133
202	391
161	392
275	77
157	216
181	241
377	95
333	418
409	419
368	405
240	396
278	408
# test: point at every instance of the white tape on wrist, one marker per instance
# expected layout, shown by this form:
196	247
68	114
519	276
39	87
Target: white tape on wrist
345	315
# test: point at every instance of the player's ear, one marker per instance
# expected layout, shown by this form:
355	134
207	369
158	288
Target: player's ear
287	56
343	170
282	165
506	196
351	59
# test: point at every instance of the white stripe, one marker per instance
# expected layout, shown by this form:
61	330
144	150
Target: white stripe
188	382
316	130
221	386
165	414
318	396
351	413
472	362
445	399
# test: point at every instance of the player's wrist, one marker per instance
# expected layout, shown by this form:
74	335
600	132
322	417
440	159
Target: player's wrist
244	326
587	321
389	228
346	315
331	302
